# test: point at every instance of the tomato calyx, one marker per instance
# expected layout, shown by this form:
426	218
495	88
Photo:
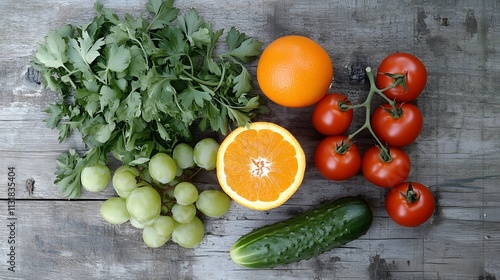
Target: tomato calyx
398	79
385	154
411	195
394	111
343	147
345	105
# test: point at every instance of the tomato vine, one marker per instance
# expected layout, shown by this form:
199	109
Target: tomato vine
367	105
393	125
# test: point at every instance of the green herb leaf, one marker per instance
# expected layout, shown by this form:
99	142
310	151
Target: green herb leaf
104	131
197	31
129	108
67	174
164	12
55	114
242	47
240	118
242	83
118	59
90	49
52	54
191	96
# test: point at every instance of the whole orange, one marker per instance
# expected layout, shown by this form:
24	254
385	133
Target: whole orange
294	71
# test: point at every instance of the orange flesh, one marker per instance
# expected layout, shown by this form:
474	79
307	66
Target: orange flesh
267	171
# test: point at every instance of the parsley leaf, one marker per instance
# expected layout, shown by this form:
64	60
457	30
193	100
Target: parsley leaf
55	114
164	12
53	53
118	59
242	83
242	47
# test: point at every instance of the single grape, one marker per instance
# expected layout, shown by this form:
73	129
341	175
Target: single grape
144	204
185	193
129	168
213	203
121	193
135	223
183	213
152	238
114	211
205	153
125	179
189	235
183	156
95	178
164	225
162	168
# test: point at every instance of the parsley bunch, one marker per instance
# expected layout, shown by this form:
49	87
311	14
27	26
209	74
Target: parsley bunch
136	86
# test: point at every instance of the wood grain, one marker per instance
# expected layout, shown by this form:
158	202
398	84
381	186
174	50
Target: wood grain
457	154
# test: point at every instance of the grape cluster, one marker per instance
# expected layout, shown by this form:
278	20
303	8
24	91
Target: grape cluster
159	197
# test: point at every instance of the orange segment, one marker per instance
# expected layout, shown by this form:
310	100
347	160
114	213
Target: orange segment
260	166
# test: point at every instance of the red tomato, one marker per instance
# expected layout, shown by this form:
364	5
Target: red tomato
385	171
336	160
410	204
328	118
409	67
397	131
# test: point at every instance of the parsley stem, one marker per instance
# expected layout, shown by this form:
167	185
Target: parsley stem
221	78
143	50
198	80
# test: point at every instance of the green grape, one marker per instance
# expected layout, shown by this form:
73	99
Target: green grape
205	153
125	179
162	168
164	225
183	213
114	211
129	168
135	223
121	193
213	203
152	238
144	204
185	193
183	156
95	178
189	235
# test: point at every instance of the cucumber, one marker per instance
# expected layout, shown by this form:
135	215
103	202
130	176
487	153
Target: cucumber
304	236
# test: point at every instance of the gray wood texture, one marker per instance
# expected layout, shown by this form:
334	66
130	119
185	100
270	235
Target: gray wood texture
457	154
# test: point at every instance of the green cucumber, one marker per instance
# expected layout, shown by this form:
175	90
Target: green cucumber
304	236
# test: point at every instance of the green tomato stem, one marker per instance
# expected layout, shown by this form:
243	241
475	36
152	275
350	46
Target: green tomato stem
411	195
385	154
343	147
367	105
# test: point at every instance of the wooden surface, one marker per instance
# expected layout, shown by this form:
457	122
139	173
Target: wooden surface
457	154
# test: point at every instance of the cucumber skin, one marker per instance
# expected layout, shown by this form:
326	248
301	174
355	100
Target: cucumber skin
304	236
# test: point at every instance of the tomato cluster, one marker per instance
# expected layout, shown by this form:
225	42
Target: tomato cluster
400	79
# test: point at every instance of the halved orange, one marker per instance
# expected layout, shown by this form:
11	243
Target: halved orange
260	166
